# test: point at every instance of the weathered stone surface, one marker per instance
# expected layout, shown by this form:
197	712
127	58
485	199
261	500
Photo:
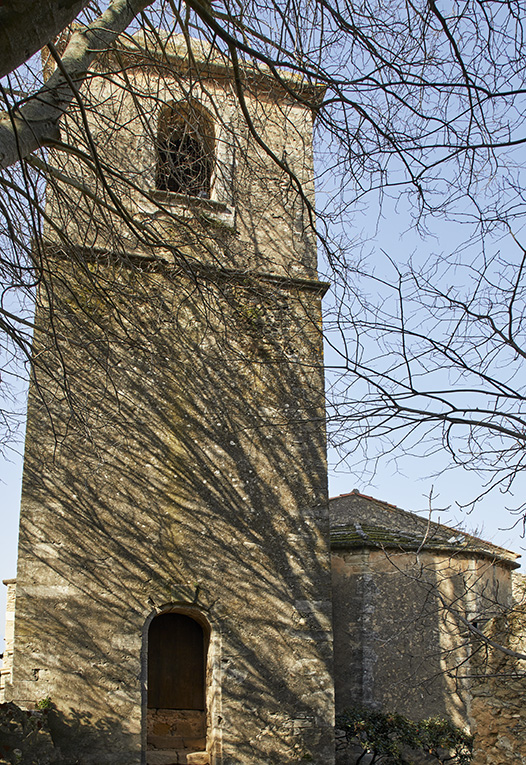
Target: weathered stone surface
399	639
499	687
401	642
184	723
167	757
7	661
176	757
197	758
195	744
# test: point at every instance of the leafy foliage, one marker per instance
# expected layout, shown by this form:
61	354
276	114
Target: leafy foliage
45	704
25	737
393	738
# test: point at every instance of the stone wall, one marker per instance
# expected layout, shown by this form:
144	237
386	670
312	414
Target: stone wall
403	595
399	643
7	661
499	687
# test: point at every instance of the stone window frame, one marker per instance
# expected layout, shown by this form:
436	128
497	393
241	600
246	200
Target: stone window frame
219	207
186	121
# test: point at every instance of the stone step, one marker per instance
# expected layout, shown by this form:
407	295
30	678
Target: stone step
184	723
166	741
176	757
195	758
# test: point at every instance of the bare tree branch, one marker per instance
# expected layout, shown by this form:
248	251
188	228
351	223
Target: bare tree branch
27	25
27	127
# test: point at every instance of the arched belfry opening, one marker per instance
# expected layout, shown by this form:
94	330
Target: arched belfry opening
185	149
176	689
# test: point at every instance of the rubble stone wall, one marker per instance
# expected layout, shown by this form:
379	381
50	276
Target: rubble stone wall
7	665
499	687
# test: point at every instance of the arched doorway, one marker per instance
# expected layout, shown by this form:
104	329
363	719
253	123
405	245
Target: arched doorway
176	691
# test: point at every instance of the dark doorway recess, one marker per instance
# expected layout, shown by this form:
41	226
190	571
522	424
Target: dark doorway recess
176	663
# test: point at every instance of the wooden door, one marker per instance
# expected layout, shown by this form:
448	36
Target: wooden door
176	663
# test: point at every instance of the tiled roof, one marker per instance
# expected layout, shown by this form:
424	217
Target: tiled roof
358	520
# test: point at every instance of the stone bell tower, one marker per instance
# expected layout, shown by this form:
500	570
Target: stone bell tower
173	592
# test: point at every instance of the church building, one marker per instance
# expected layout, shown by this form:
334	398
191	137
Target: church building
183	593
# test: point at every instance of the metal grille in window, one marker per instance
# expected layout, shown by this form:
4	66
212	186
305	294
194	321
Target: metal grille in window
185	151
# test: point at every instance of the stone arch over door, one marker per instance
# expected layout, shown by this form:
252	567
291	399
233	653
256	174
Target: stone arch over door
177	647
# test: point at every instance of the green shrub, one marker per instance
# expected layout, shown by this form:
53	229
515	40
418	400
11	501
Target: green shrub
25	737
45	704
393	738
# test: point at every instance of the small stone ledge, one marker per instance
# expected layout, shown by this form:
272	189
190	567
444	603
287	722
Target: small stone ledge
176	757
196	207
